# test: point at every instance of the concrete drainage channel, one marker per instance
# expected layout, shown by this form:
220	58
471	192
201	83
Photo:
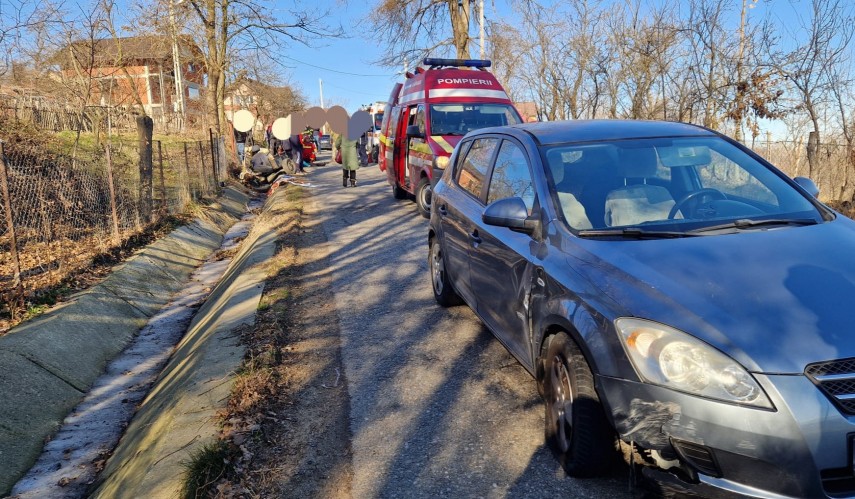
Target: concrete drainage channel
48	365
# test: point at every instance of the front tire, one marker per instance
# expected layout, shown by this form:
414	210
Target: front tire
424	192
443	293
576	428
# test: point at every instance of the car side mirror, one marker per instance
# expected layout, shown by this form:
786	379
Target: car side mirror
511	213
808	185
414	132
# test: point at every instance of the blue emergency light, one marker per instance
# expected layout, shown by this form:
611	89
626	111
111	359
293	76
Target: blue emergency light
469	63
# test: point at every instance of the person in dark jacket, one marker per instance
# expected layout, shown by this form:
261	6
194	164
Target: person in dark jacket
297	151
240	143
362	149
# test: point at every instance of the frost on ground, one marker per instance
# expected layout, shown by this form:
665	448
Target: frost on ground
71	461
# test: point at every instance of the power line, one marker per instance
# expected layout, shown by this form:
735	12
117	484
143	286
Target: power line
337	71
349	90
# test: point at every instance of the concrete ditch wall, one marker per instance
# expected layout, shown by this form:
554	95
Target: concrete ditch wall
47	364
179	416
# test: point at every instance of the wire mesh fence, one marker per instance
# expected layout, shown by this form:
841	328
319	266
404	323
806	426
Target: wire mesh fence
833	171
58	212
47	114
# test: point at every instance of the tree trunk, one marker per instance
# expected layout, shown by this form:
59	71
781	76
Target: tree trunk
459	10
145	129
812	148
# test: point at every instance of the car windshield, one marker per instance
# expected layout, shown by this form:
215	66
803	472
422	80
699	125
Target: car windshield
679	185
459	119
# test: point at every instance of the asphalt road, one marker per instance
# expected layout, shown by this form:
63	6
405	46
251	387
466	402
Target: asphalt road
438	408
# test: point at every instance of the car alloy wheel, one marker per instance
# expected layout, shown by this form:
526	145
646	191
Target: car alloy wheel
576	428
442	290
562	404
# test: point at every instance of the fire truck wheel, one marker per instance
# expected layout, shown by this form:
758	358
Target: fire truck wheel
423	196
398	192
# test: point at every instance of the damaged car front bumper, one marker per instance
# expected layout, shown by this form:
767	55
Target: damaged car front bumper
803	447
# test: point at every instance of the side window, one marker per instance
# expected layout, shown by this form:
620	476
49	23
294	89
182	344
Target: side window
473	171
417	117
460	153
511	176
420	118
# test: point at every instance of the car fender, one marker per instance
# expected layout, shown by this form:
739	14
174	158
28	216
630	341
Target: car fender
590	330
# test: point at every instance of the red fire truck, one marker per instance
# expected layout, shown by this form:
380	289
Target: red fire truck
429	113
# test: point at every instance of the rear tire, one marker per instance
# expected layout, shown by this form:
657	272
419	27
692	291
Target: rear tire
442	290
576	428
424	192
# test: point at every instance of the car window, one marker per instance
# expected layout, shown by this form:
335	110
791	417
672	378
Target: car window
511	176
730	178
473	170
680	183
458	119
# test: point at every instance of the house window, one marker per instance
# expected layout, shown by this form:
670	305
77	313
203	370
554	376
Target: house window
190	67
193	92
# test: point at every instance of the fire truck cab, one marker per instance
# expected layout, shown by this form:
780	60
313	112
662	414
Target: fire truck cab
429	113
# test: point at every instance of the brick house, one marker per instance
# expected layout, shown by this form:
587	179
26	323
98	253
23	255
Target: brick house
141	65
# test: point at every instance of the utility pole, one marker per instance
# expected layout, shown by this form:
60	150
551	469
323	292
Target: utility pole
481	24
321	84
176	63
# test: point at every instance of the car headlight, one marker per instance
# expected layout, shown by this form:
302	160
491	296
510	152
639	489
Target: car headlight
665	356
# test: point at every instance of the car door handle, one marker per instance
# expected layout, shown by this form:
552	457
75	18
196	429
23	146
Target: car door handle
443	211
475	238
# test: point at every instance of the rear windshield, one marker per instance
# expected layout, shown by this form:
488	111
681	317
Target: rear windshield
459	119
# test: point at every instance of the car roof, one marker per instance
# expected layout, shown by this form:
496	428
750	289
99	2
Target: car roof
557	132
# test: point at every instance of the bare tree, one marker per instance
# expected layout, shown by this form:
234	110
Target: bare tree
229	27
413	29
809	68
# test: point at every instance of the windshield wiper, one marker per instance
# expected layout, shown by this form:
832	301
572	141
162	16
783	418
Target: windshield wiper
634	233
744	223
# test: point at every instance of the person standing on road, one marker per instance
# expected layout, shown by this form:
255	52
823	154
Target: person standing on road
297	151
349	160
361	149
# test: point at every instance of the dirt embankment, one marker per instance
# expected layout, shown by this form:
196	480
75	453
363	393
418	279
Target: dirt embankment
287	420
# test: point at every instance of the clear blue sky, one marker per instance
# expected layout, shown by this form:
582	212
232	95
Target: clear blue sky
350	77
346	66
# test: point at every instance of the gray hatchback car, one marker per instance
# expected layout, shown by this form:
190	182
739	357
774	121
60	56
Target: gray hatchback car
680	301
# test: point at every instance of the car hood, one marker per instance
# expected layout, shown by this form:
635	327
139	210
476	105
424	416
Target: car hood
774	300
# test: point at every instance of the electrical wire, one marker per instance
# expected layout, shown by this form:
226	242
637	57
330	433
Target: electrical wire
337	71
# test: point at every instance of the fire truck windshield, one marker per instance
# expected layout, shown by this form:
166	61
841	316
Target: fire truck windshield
458	119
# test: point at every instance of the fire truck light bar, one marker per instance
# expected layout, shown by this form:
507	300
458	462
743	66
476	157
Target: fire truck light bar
469	63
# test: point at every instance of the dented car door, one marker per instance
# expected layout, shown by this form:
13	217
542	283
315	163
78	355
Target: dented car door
502	268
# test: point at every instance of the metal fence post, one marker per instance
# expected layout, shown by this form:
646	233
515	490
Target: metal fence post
17	285
162	181
214	159
186	182
111	183
202	164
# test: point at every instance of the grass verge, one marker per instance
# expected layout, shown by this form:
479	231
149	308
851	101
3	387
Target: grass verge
206	467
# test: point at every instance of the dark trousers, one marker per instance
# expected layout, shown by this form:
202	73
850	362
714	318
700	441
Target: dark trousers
345	174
